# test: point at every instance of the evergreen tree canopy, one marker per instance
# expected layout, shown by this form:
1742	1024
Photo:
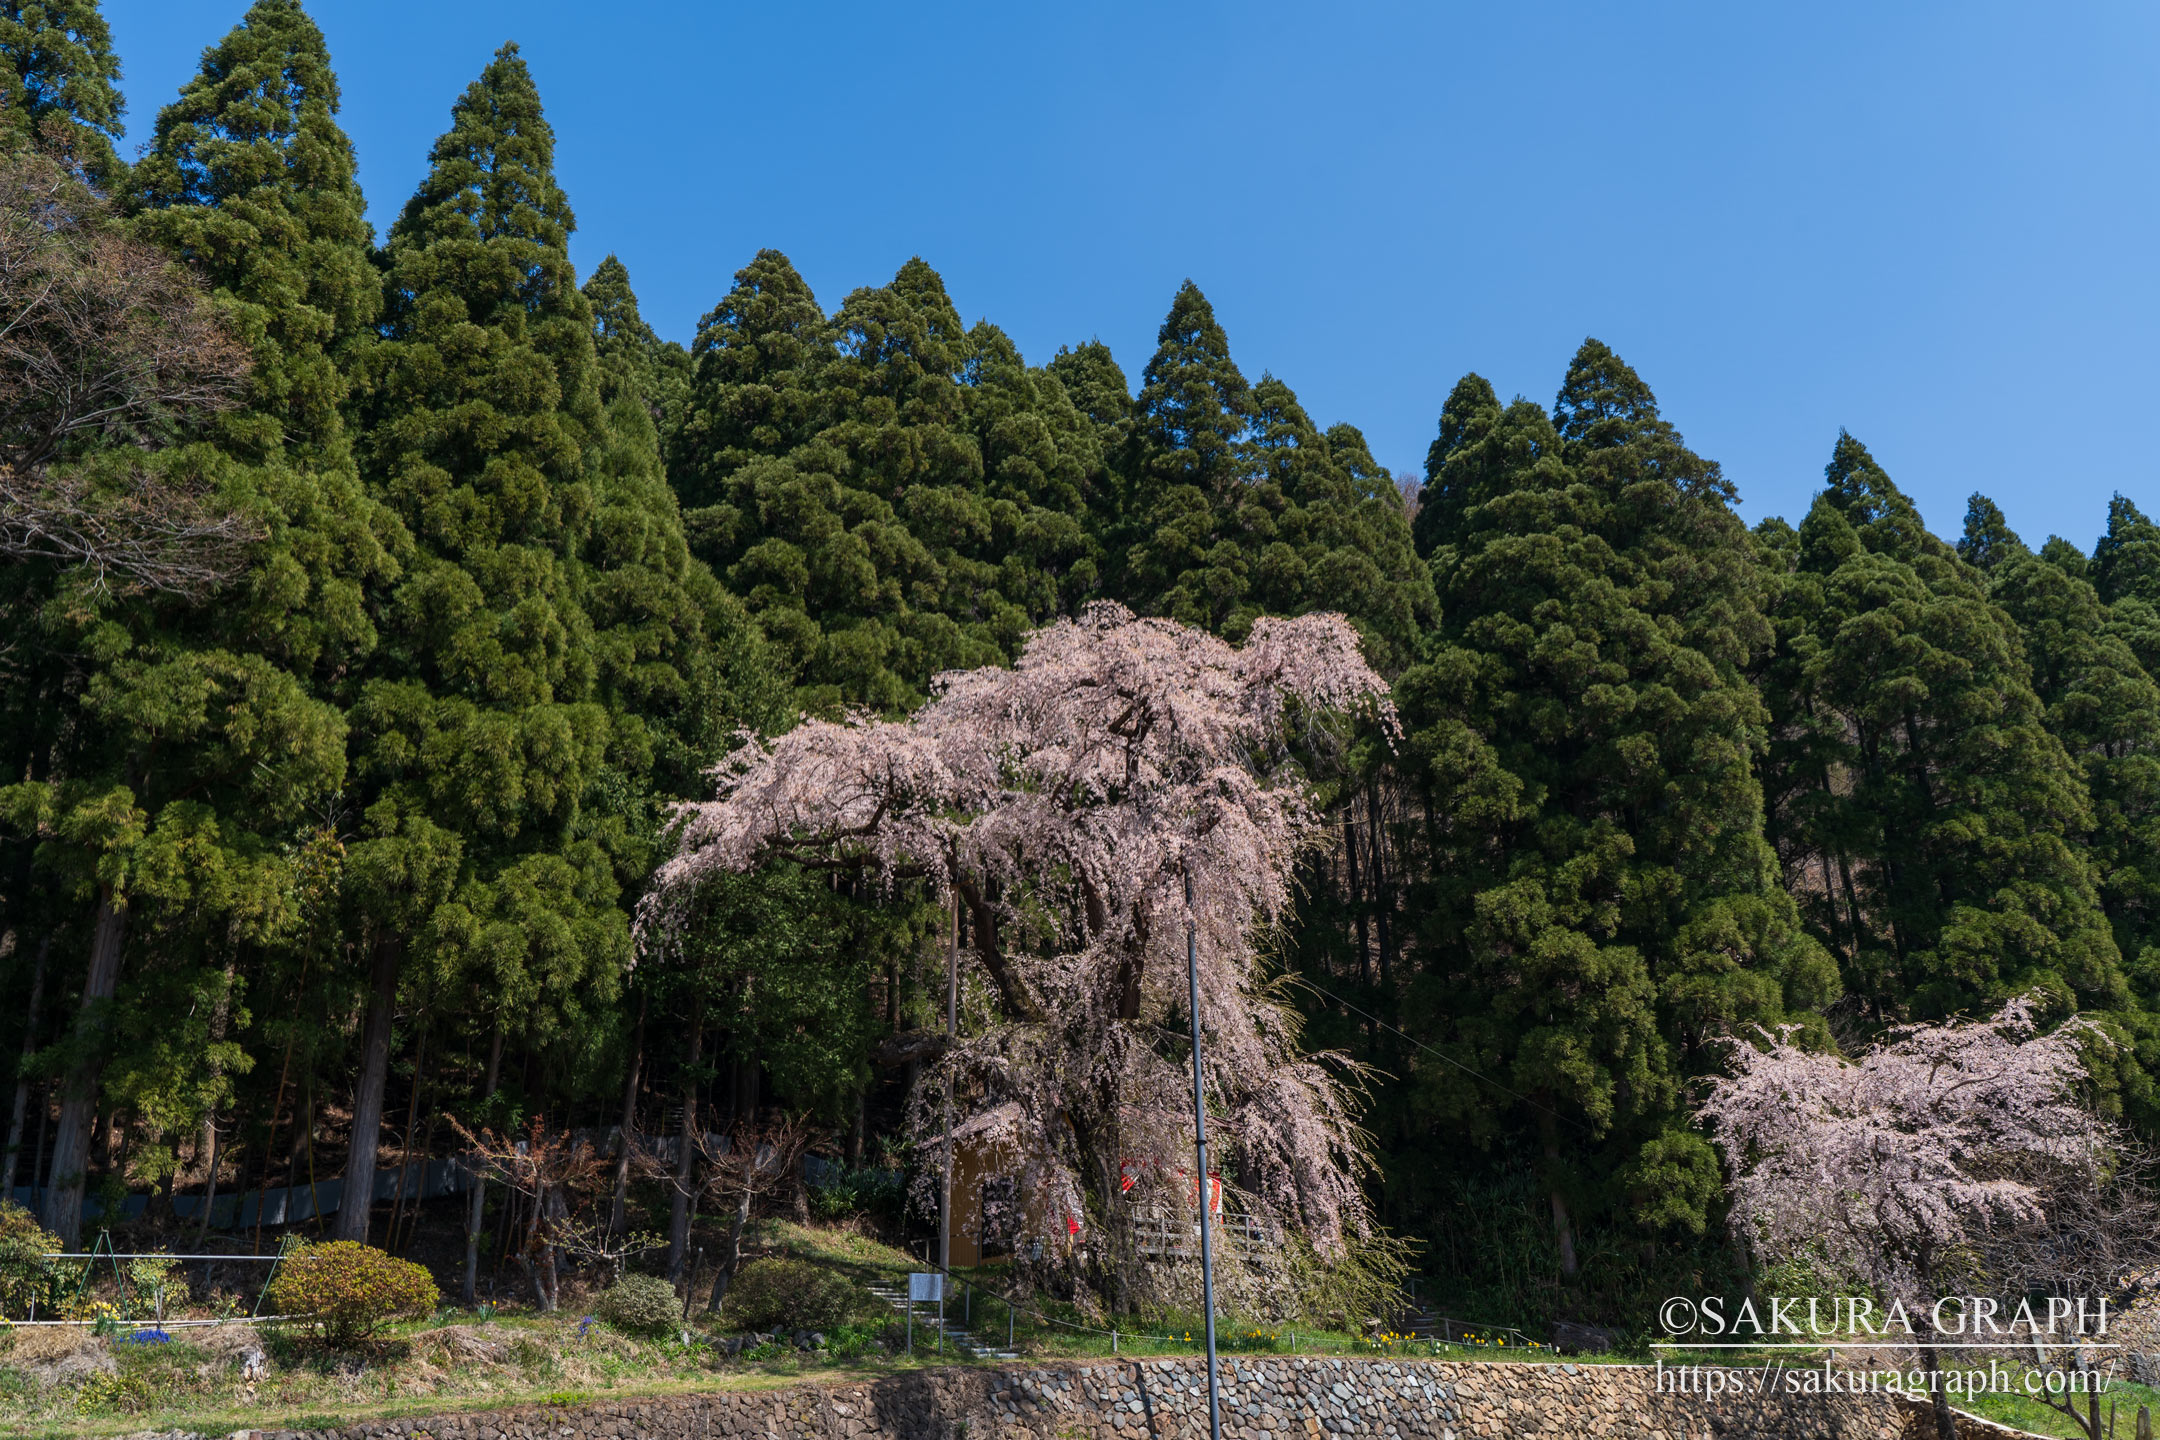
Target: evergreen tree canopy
1238	505
1920	804
633	359
61	69
251	181
1988	541
2126	561
892	494
2104	707
1602	906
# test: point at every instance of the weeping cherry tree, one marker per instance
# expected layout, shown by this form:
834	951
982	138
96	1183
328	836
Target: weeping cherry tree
1062	804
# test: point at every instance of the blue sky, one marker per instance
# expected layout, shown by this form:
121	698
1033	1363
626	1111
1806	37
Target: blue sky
1931	224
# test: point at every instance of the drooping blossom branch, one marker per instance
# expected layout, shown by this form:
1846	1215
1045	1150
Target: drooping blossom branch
1061	805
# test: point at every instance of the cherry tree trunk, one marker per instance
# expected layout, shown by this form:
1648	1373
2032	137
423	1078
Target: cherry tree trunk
62	1210
359	1196
731	1257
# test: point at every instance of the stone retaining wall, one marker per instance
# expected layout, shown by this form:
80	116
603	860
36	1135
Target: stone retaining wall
1263	1399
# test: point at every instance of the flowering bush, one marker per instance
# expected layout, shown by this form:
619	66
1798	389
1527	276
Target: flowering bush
789	1295
640	1303
350	1289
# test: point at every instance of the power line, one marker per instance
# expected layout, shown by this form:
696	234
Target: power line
1444	1057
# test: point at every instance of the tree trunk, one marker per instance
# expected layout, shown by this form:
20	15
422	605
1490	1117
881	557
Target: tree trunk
20	1114
1383	900
202	1228
405	1139
678	1246
732	1255
1563	1226
1356	897
471	1289
359	1195
78	1099
211	1145
629	1121
277	1109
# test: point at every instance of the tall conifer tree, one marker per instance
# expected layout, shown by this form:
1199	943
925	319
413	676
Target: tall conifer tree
1601	907
1190	465
891	494
1918	798
549	646
2104	707
250	180
60	68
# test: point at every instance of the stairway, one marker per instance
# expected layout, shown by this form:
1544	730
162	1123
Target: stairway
957	1339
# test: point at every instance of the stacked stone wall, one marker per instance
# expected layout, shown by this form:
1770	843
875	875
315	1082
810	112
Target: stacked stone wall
1263	1398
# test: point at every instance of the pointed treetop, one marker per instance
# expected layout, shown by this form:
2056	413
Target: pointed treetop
2126	561
1483	451
618	328
1861	489
754	387
251	179
2067	558
924	288
633	358
1989	540
1470	400
492	174
1278	420
768	323
60	66
261	111
1097	385
905	341
1617	441
1827	539
1194	403
1602	401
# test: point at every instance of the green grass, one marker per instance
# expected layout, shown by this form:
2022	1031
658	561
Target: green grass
476	1361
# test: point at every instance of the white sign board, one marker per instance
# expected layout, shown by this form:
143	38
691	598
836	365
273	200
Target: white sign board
921	1286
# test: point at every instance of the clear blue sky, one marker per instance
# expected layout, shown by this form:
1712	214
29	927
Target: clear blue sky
1932	224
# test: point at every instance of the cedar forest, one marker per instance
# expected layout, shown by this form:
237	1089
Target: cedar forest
361	642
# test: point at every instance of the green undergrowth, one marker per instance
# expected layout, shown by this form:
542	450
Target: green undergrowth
76	1383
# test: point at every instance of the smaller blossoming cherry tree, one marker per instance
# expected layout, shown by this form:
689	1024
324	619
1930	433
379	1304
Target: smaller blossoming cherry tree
1896	1169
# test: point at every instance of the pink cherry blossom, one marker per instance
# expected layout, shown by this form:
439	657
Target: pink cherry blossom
1062	804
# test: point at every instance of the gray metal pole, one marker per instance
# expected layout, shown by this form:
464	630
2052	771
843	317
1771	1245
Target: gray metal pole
952	1030
1199	1105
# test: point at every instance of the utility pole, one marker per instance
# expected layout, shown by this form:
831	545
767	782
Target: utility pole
1199	1105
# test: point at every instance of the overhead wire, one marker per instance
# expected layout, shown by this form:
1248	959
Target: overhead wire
1442	1056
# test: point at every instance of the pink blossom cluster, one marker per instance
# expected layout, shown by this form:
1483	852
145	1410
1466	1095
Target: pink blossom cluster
1062	805
1891	1168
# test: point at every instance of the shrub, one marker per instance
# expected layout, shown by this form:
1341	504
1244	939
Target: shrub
863	1191
349	1289
644	1303
26	1276
789	1295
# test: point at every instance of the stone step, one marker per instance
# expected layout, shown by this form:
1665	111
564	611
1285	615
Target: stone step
958	1336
